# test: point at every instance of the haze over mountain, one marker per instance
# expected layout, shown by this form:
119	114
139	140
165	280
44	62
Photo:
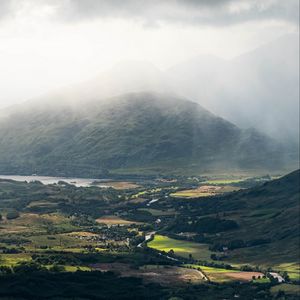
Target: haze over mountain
257	89
130	116
132	130
124	77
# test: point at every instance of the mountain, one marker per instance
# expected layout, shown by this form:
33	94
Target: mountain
257	89
133	130
269	217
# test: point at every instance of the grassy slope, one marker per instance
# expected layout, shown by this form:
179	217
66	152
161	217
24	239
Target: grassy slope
270	211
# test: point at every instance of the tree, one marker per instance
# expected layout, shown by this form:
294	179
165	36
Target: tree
213	256
57	268
171	252
285	276
280	295
5	270
27	267
12	215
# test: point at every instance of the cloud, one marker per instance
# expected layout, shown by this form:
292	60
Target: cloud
5	8
207	12
216	12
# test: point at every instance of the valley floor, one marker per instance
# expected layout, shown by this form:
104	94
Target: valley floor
163	231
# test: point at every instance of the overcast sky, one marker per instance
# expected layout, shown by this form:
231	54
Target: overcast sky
45	44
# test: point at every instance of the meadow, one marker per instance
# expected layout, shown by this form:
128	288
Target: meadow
222	275
180	247
114	220
204	191
293	270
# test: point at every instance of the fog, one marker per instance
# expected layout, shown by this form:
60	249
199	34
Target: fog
239	59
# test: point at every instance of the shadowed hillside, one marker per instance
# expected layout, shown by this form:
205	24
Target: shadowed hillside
267	217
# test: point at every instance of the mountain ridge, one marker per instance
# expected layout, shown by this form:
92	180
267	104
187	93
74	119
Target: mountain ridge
133	130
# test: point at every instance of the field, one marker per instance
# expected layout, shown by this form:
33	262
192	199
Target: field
32	222
13	259
293	270
223	275
76	268
180	247
114	220
223	181
165	275
118	185
204	191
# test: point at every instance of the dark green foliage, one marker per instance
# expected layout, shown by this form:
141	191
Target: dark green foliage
57	268
41	284
56	259
213	225
27	267
204	225
78	285
12	215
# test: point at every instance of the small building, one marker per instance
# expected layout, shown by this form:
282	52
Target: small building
277	276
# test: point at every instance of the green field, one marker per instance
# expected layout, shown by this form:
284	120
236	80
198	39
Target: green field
191	194
209	269
204	191
13	259
293	270
222	275
223	181
76	268
181	248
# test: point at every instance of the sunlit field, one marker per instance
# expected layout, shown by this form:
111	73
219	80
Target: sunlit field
204	191
180	247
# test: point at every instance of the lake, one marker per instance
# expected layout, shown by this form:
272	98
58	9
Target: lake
79	182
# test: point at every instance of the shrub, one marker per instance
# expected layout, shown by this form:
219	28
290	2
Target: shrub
12	215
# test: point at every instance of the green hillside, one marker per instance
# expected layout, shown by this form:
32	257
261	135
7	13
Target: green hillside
134	130
266	217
